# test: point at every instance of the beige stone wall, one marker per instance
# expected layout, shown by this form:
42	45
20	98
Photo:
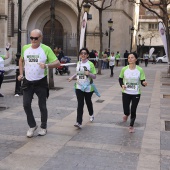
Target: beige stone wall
36	14
2	6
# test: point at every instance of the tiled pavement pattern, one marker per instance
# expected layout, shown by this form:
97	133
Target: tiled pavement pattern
104	144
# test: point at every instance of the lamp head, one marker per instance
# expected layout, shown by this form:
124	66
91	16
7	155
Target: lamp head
110	23
86	7
132	29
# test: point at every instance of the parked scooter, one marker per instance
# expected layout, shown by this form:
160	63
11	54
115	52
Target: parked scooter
63	69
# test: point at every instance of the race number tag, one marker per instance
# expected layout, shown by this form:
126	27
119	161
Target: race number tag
33	58
131	86
81	77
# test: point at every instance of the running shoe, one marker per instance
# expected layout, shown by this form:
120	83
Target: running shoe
42	132
78	125
131	129
92	118
30	131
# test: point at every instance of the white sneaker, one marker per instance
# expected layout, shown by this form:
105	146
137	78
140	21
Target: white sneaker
30	131
78	125
92	118
42	132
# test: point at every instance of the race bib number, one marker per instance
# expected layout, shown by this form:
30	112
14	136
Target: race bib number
131	86
81	77
33	58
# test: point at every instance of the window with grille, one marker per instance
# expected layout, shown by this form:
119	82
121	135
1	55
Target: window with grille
153	26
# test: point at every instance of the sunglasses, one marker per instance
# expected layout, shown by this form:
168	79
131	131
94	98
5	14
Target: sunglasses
83	53
34	38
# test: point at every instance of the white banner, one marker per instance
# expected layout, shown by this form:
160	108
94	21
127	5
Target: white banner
83	29
151	52
162	32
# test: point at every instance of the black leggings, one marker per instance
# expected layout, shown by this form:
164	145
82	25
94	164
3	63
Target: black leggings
111	69
80	98
127	99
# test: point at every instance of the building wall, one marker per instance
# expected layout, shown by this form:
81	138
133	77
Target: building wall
36	13
151	37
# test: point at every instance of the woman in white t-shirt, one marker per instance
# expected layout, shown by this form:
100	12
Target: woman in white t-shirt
85	73
111	63
130	78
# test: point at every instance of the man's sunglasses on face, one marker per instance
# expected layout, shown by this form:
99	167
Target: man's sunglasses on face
34	38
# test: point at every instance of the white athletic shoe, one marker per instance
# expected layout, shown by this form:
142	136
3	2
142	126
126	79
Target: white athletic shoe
30	131
92	118
42	132
78	125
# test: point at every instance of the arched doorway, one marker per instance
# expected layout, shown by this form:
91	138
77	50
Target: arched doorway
59	33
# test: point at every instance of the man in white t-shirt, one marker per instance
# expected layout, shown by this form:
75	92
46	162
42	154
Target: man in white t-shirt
37	58
2	58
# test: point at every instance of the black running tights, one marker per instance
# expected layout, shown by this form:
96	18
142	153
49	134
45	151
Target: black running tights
128	99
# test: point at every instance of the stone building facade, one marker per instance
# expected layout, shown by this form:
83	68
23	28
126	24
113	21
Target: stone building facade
36	14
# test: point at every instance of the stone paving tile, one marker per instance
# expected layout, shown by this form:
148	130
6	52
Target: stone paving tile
111	118
108	135
164	113
11	101
164	101
119	107
9	146
16	127
165	139
62	102
72	158
65	96
165	163
53	113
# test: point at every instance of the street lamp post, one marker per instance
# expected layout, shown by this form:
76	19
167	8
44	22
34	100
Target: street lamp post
18	83
86	7
110	23
132	31
52	36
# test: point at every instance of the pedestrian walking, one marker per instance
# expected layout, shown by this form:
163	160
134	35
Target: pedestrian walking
117	57
37	58
130	78
111	63
84	87
2	58
126	57
146	58
105	61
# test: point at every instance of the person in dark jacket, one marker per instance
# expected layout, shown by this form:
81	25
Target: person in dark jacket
126	57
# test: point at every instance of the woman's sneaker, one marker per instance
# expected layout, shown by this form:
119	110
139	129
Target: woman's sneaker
42	132
92	118
131	129
30	131
78	125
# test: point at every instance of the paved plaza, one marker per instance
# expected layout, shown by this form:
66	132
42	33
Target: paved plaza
104	144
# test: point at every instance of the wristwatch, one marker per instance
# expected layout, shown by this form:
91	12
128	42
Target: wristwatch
46	66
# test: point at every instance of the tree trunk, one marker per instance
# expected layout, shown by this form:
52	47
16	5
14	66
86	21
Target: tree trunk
101	42
52	18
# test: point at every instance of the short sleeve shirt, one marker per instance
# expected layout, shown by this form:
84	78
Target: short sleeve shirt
131	79
32	57
82	79
111	60
2	58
